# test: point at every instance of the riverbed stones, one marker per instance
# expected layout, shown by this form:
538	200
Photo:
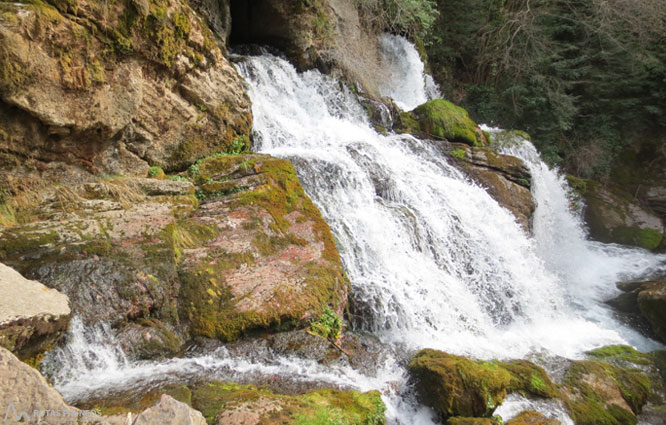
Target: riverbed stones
532	418
32	316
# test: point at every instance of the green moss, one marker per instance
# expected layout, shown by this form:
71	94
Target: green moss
19	242
620	352
443	119
156	172
458	153
645	238
13	75
530	379
578	185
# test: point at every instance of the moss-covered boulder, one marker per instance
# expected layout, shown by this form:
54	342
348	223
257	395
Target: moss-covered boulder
613	216
532	418
600	393
442	119
229	403
272	261
456	386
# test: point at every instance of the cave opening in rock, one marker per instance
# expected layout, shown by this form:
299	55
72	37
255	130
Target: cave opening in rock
258	22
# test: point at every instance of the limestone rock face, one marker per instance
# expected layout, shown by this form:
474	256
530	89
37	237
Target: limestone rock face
32	316
87	88
613	216
505	177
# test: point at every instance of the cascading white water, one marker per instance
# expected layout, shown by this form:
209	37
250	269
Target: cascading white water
405	80
433	260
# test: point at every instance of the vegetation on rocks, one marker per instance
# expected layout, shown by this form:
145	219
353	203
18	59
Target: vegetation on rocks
229	403
442	119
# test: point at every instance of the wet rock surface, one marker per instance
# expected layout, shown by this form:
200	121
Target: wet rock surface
505	177
643	303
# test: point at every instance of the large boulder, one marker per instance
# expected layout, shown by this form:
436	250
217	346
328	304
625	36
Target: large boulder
614	216
32	316
88	88
27	397
442	119
532	418
597	392
456	386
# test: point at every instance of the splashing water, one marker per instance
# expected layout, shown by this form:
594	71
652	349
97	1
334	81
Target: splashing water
433	260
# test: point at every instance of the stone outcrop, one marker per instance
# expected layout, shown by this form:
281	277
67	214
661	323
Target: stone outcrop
239	247
25	395
614	216
456	386
32	316
505	178
88	88
645	304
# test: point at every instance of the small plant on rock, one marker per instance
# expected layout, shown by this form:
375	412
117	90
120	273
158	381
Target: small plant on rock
328	325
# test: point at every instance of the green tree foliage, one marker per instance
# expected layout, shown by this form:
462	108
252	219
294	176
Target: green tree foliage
579	75
413	18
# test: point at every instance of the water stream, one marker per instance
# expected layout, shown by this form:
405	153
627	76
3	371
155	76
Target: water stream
433	260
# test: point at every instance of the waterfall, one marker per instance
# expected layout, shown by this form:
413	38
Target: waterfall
406	80
433	260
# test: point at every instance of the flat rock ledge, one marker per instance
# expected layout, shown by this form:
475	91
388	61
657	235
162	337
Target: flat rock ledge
32	316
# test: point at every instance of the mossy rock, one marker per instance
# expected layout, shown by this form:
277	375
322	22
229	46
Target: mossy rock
619	355
456	386
614	217
598	393
529	417
292	274
230	403
442	119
